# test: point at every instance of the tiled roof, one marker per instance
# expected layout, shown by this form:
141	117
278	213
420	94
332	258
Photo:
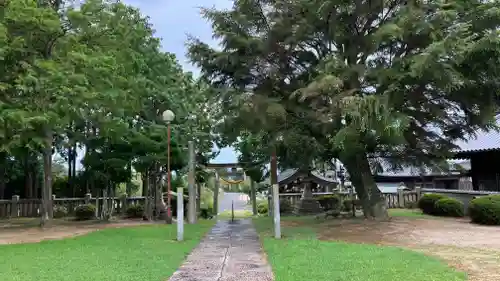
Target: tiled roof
483	141
414	171
288	173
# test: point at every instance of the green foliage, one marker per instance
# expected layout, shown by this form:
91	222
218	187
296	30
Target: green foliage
285	206
174	205
263	208
485	210
206	212
85	212
92	79
134	211
329	202
449	207
380	83
427	202
60	211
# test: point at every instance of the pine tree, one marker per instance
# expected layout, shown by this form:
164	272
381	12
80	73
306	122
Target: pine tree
392	79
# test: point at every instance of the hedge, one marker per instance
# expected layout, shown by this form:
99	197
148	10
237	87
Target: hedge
449	207
428	202
485	210
329	202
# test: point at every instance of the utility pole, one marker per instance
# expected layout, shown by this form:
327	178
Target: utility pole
275	195
191	185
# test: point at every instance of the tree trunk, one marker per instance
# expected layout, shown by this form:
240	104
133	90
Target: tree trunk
156	188
28	176
372	200
108	201
253	196
73	183
3	167
128	188
70	171
198	197
154	193
147	197
47	179
104	213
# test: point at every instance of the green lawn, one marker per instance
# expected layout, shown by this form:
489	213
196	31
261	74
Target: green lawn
145	253
410	213
300	256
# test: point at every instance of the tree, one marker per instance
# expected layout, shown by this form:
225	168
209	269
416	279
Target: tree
252	157
361	80
91	78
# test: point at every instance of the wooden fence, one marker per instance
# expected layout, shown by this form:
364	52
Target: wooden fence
401	198
17	207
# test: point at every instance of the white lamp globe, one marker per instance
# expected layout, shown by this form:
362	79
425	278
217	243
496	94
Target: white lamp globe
168	116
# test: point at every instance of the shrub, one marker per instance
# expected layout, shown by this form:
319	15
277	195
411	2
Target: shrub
485	210
173	205
285	206
85	212
60	211
329	202
206	213
134	211
428	202
262	208
449	207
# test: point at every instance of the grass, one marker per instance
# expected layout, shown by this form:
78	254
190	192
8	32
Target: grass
145	253
300	256
411	213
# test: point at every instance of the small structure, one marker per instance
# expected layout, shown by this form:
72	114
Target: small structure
483	151
389	181
306	182
477	163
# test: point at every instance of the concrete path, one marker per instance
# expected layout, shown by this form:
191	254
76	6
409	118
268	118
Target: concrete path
230	252
240	201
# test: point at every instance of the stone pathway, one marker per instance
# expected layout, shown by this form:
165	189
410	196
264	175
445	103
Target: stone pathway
230	252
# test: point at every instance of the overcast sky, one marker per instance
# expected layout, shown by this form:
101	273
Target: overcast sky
173	20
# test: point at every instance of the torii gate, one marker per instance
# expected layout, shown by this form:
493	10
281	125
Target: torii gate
216	168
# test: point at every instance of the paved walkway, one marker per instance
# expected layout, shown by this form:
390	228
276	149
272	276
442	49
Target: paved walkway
230	252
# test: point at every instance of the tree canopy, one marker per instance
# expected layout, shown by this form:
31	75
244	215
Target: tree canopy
359	81
91	80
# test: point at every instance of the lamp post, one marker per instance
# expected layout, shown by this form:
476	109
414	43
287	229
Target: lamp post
168	116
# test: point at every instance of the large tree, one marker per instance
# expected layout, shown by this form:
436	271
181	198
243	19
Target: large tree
91	78
361	80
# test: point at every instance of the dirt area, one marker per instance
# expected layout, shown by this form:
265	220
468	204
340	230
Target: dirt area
467	247
15	232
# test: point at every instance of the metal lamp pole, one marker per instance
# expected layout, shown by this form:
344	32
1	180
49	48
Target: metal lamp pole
168	116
